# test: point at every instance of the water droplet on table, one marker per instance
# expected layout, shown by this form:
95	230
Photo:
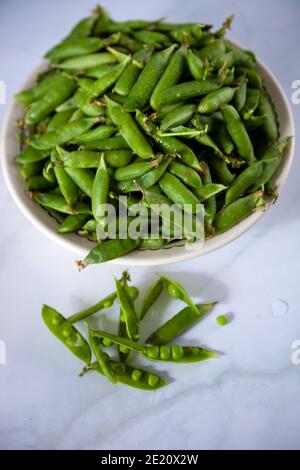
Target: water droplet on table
279	308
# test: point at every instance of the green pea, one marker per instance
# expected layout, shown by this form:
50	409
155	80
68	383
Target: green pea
107	342
108	304
165	353
174	292
153	352
133	292
136	375
123	349
222	320
153	380
177	352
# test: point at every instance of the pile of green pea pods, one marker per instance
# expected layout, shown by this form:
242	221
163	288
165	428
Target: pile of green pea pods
155	111
155	348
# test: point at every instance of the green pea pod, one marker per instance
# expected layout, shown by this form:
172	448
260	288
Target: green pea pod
254	122
118	159
66	333
103	22
59	204
39	183
72	223
99	133
147	180
212	51
99	71
152	243
63	134
207	141
39	90
88	61
178	116
210	204
177	291
151	295
102	358
83	178
182	131
103	83
237	211
239	98
178	324
113	143
253	78
154	38
212	122
128	375
145	84
209	190
178	193
48	172
90	159
132	71
224	140
215	99
129	130
170	76
238	133
59	119
84	27
64	87
221	172
169	145
108	250
243	181
271	161
188	90
189	176
31	155
100	190
195	64
187	33
174	353
252	101
78	47
136	169
67	186
31	169
270	126
235	57
128	311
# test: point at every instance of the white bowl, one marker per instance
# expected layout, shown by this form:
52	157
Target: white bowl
79	245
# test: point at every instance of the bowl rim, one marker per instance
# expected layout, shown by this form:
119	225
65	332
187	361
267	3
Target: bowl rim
162	255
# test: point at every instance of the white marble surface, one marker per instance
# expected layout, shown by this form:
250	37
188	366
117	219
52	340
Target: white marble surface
249	398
